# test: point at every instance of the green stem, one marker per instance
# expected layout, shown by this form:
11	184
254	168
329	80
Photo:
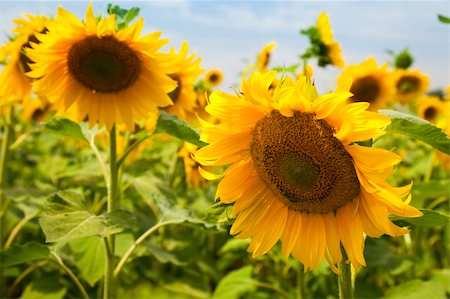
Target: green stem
80	287
17	229
345	277
301	282
139	241
4	201
130	148
22	276
112	204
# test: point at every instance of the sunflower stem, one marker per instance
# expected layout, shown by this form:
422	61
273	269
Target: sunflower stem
8	132
112	204
345	277
301	282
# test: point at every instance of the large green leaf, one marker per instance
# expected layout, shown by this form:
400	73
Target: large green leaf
418	128
18	254
432	189
235	284
65	217
430	218
47	288
89	258
170	124
65	127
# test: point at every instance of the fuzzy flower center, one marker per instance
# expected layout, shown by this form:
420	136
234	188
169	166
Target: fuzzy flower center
303	163
408	84
365	89
104	64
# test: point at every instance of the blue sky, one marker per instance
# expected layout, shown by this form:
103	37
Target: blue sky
229	34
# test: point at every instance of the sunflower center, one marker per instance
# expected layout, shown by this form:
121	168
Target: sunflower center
301	161
408	84
365	89
213	78
430	113
174	94
104	64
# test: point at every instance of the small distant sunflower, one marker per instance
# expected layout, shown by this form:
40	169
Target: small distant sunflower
264	57
213	77
409	84
431	108
187	70
369	83
332	48
296	174
191	172
106	75
14	84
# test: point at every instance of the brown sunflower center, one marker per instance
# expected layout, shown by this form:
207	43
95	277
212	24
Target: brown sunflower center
408	84
214	78
365	89
24	60
430	113
174	94
301	161
103	64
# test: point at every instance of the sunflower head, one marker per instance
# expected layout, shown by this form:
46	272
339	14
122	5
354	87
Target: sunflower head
14	84
213	77
409	84
264	57
323	47
104	75
186	72
369	83
296	174
431	108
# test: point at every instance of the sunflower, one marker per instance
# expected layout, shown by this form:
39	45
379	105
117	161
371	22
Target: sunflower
431	108
108	76
409	84
213	77
187	71
191	171
296	174
333	50
264	57
14	85
369	83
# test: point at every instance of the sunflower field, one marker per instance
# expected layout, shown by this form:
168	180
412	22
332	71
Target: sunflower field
128	169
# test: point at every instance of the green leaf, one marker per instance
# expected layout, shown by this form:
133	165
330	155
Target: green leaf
219	213
163	255
18	254
47	288
444	19
65	217
89	257
433	189
235	284
435	288
65	127
418	128
430	219
154	189
170	124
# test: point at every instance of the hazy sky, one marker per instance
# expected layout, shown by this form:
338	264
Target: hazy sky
229	34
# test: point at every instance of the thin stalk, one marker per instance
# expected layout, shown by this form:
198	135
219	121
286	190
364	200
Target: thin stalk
80	287
4	158
17	228
139	241
129	149
301	282
24	274
112	204
345	277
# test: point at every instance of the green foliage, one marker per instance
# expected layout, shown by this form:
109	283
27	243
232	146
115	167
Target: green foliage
65	217
429	219
123	16
172	125
18	254
65	127
44	289
444	19
433	189
418	128
235	284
